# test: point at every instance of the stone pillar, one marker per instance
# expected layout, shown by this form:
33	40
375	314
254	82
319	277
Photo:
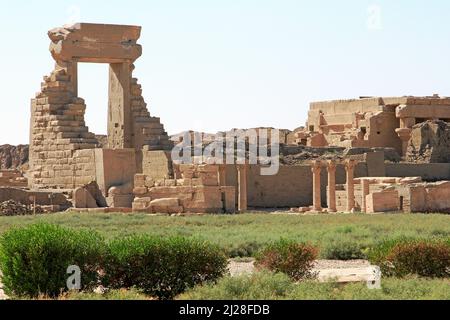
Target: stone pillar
331	195
405	135
350	186
120	125
317	201
242	187
365	187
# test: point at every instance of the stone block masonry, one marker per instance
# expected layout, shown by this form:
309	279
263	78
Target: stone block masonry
196	191
59	134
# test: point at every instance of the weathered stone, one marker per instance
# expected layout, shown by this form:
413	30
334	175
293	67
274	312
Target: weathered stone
430	143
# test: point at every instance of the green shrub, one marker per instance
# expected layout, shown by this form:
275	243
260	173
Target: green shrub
378	253
34	259
425	259
343	250
162	268
294	259
403	256
244	250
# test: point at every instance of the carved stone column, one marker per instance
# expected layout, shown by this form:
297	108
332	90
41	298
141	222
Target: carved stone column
331	195
350	186
242	187
365	186
405	135
317	201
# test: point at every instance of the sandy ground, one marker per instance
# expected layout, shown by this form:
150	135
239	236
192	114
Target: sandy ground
247	267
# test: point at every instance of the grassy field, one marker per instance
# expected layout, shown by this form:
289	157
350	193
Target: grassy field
268	286
242	234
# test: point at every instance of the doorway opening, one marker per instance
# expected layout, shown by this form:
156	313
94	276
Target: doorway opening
93	84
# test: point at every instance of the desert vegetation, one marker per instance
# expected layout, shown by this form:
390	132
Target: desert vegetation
145	265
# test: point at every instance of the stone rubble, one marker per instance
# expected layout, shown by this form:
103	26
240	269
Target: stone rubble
13	208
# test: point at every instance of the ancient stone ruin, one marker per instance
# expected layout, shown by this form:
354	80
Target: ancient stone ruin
430	142
367	155
62	151
370	121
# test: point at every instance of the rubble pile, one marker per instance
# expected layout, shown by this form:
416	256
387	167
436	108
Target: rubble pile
13	208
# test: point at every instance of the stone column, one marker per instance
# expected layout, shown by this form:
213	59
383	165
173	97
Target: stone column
120	124
365	186
317	201
350	168
404	135
331	195
242	187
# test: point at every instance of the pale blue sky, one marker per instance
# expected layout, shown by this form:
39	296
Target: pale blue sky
213	65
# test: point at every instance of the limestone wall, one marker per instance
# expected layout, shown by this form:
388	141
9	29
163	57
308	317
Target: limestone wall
431	198
196	191
291	187
428	171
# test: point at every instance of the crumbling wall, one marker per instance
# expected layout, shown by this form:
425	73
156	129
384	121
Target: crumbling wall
430	198
429	143
197	191
12	178
27	197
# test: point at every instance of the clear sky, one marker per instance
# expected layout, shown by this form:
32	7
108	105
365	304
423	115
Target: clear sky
214	65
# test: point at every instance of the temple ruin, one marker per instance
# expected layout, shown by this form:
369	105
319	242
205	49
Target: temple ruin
368	155
370	122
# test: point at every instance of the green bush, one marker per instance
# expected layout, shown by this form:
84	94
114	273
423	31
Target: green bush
34	259
425	259
244	250
343	250
378	253
294	259
162	268
404	256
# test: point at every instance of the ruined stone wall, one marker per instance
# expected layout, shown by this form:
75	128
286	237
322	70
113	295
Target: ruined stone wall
428	171
58	130
197	191
12	178
291	187
429	143
430	198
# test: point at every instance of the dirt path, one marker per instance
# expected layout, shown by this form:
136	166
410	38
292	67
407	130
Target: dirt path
247	267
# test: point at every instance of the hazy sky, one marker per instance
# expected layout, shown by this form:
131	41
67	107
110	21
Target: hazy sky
214	65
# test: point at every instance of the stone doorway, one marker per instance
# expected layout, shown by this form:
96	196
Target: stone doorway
59	135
